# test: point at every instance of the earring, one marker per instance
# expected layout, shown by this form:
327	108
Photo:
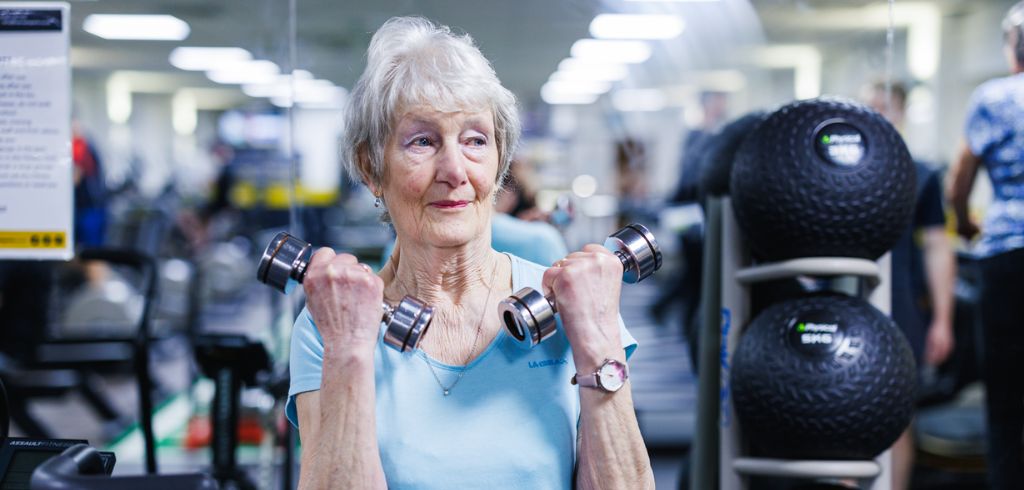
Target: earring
376	203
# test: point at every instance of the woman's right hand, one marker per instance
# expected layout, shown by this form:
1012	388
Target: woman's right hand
344	298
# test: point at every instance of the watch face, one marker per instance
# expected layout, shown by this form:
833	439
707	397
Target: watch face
612	375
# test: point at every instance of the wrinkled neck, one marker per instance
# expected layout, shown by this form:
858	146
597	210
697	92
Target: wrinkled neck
440	276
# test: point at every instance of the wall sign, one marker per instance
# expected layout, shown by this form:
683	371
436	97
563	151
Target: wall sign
36	188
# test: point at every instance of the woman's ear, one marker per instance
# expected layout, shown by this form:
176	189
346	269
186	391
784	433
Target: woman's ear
365	169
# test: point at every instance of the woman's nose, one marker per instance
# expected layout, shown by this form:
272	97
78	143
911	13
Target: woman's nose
451	168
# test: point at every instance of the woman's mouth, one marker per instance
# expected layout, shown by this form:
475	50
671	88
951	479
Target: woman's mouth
449	204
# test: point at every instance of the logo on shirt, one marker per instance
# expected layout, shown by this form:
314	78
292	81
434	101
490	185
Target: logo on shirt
547	362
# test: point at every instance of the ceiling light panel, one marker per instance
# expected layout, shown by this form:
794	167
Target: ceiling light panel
136	27
253	71
611	51
573	69
203	59
636	26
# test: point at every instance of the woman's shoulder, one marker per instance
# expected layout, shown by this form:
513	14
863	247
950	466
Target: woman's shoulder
999	90
525	273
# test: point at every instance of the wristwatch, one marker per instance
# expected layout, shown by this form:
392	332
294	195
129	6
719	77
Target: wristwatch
610	376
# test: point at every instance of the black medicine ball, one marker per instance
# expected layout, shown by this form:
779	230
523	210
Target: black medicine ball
823	377
823	177
721	151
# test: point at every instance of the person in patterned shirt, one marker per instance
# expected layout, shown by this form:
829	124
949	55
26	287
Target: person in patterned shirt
995	139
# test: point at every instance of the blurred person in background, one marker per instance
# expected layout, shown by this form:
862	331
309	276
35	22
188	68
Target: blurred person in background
518	197
91	202
519	227
90	190
195	224
685	287
923	271
994	133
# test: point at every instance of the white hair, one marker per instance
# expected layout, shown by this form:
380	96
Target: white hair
413	61
1013	30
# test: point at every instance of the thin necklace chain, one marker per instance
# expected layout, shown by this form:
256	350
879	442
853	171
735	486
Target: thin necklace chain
446	390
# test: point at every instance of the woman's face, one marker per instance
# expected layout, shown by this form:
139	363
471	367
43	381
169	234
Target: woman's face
439	175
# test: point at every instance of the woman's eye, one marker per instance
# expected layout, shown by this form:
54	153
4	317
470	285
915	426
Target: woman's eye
477	142
421	141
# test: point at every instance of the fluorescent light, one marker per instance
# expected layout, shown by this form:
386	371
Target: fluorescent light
136	27
571	70
202	59
611	51
572	64
556	92
253	71
578	87
559	98
636	26
332	98
674	1
282	87
628	100
584	76
317	94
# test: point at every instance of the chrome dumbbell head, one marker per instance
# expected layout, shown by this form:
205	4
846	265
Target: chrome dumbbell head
283	266
407	322
635	246
530	316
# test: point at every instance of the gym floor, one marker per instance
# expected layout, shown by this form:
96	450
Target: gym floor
663	388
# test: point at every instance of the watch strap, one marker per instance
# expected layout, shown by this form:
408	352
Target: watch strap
593	380
587	380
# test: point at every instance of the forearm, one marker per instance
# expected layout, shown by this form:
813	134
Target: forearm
961	180
611	451
345	452
940	270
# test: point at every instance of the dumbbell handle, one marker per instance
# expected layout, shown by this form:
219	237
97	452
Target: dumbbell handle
284	264
530	316
623	258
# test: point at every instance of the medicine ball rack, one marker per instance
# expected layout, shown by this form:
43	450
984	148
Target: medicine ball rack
719	442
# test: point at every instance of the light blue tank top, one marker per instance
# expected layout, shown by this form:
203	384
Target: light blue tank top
509	423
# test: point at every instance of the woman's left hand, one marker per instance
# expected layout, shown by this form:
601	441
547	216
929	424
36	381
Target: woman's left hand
586	287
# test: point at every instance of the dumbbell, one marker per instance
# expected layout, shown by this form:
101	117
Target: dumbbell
284	264
529	316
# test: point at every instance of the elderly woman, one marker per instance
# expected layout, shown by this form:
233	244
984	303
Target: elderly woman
430	131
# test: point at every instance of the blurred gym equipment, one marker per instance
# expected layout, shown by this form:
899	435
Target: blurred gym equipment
283	266
231	361
819	191
823	178
20	456
823	377
110	308
721	152
5	421
225	269
529	316
59	365
82	467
